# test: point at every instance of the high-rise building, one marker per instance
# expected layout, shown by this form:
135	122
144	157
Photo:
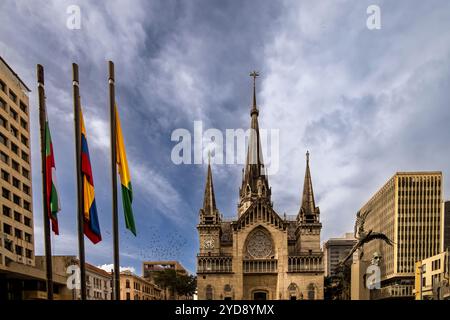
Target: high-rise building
447	225
409	210
259	254
335	250
16	216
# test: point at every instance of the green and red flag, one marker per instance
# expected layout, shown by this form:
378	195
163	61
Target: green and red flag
53	206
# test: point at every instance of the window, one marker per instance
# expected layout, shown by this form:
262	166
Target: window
19	250
311	292
8	246
13	113
209	292
26	189
26	205
25	173
16	182
23	123
25	156
28	253
15	165
3	139
4	157
17	216
3	122
2	104
5	175
6	193
24	139
2	86
14	148
18	233
6	211
27	221
23	107
7	228
128	296
14	131
16	199
12	96
127	284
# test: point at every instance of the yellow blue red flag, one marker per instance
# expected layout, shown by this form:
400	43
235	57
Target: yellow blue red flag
91	224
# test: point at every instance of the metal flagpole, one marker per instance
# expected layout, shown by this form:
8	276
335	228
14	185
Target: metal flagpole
76	111
42	123
112	102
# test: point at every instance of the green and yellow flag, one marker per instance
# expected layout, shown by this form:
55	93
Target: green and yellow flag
125	180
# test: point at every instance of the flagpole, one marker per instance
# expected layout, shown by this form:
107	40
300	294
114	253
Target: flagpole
76	111
47	240
112	102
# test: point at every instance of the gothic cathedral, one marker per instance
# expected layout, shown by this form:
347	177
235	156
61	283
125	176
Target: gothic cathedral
259	255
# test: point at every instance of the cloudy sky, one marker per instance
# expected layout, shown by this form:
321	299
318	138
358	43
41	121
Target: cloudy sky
365	103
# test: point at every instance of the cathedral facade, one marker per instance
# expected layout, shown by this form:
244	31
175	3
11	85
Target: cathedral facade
259	255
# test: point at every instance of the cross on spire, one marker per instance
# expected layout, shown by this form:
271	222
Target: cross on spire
254	74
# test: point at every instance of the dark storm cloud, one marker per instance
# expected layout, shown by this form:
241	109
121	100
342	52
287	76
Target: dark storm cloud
366	103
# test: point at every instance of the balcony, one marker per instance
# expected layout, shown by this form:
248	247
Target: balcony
214	264
393	291
305	263
260	266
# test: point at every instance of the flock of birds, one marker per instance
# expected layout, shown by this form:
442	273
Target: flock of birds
157	244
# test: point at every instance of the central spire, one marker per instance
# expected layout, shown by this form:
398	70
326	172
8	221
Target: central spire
254	74
254	182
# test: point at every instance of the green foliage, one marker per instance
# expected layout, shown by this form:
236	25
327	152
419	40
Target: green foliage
178	283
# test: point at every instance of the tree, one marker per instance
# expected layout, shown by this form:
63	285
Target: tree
176	282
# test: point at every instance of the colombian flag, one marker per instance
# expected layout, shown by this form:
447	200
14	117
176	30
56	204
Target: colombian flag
125	180
91	225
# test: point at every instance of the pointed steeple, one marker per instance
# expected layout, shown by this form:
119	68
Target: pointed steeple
308	210
209	200
254	182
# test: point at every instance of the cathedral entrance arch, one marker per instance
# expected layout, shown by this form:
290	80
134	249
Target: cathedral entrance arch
260	295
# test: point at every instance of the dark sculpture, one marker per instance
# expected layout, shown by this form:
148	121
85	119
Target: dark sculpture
364	237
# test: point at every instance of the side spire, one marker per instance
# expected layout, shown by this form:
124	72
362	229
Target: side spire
308	210
209	201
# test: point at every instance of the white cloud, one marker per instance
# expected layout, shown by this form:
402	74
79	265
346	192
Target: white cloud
110	267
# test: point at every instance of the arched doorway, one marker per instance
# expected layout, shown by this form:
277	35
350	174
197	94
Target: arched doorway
259	295
293	291
311	292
